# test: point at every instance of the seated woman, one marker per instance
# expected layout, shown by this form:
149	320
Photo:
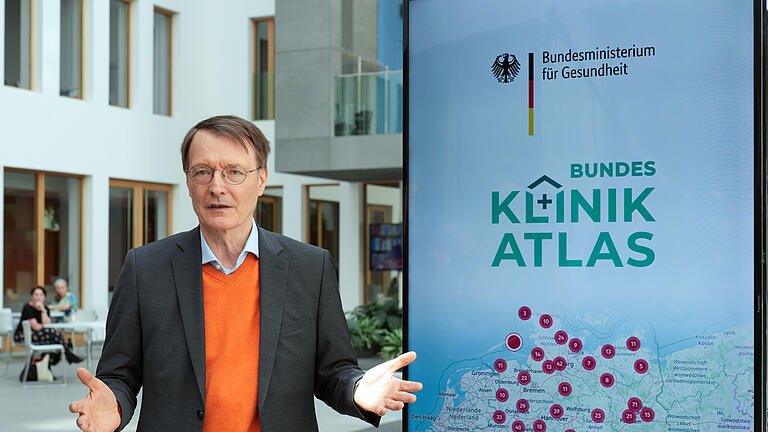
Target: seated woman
65	300
38	315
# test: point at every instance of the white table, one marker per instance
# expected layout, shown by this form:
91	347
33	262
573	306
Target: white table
86	327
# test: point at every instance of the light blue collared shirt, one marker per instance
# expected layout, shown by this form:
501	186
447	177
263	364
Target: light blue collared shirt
251	245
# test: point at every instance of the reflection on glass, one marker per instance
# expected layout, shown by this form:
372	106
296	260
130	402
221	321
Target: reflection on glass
71	43
162	65
383	204
61	222
18	58
329	213
19	238
155	215
120	230
263	72
119	35
314	233
368	103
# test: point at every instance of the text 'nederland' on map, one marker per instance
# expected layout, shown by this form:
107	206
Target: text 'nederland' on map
622	386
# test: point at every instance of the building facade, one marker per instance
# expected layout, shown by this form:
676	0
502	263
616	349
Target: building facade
97	96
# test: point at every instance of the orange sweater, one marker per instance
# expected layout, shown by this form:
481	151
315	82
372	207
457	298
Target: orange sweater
232	313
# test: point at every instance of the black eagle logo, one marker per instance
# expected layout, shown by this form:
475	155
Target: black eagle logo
507	69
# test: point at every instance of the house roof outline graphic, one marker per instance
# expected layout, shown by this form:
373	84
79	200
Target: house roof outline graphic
542	179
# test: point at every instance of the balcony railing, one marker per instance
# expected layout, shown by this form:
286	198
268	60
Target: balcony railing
369	103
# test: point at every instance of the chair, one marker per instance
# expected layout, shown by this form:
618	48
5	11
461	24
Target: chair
86	315
33	348
6	329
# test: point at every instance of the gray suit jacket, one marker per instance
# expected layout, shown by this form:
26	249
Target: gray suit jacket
156	336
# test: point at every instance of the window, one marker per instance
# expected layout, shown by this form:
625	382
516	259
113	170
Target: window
264	69
269	209
71	52
162	62
43	226
139	213
18	43
119	53
382	204
322	221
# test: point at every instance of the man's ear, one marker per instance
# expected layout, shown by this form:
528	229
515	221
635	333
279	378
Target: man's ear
263	173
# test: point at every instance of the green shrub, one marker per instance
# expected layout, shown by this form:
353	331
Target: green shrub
371	326
391	344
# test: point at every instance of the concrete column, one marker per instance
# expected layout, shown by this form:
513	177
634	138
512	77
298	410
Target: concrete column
49	30
96	53
96	277
2	188
2	53
293	211
350	245
142	36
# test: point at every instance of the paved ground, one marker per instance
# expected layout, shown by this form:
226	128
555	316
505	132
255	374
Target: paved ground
45	409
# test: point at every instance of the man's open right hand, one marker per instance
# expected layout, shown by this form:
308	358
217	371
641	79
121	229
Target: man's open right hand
99	410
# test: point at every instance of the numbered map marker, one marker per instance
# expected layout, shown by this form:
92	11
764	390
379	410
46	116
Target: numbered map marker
524	378
499	417
633	343
548	366
589	363
524	313
565	389
500	365
518	426
514	342
608	351
561	337
556	411
628	416
570	430
641	366
539	426
647	415
606	380
537	354
597	415
575	345
522	406
560	363
635	404
502	395
545	321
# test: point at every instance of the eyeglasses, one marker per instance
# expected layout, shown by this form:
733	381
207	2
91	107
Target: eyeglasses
233	174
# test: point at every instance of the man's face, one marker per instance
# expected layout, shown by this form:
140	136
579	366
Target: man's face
218	204
61	289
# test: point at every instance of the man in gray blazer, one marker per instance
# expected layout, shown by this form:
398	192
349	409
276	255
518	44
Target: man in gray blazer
156	325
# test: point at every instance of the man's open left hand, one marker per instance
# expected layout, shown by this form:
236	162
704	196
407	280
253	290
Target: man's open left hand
379	390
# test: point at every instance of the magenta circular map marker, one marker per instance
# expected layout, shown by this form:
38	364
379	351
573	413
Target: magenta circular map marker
641	366
606	380
499	417
545	321
635	404
575	345
647	415
570	430
589	363
539	426
608	351
524	378
556	411
522	406
561	337
524	313
598	415
548	366
564	389
514	342
633	343
518	426
502	395
500	365
560	363
628	416
537	354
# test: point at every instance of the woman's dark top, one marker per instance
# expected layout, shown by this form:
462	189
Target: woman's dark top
28	312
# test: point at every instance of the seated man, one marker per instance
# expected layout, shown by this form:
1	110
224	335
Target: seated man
65	300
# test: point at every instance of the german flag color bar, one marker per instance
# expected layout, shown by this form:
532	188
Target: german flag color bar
530	94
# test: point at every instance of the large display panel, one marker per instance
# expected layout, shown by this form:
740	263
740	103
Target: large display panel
581	215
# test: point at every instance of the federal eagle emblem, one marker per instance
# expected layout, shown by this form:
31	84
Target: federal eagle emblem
507	69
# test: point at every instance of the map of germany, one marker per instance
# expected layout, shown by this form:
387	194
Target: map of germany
544	379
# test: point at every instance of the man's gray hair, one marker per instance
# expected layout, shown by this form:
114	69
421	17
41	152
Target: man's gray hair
59	281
